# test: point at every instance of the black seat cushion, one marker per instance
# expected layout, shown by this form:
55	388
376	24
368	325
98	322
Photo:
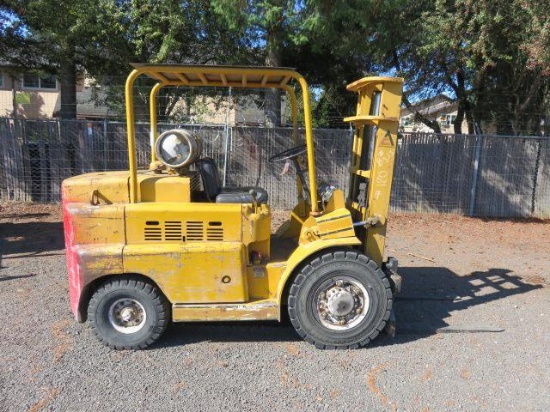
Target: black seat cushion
216	193
241	195
211	181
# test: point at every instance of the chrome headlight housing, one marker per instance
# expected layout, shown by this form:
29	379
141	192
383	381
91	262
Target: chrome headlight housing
178	148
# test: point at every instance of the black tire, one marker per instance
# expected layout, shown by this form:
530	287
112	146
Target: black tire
352	282
128	313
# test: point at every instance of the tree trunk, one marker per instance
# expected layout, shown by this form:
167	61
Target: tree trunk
14	88
432	124
67	82
273	58
463	103
470	120
457	124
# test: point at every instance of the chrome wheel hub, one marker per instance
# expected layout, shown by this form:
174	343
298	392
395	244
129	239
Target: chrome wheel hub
341	303
127	315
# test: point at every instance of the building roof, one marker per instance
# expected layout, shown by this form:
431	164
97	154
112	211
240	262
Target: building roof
430	106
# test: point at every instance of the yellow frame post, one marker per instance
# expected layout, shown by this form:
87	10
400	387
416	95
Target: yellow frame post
130	123
294	113
312	172
153	116
217	76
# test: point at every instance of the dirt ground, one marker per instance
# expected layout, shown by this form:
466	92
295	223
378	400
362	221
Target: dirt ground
473	326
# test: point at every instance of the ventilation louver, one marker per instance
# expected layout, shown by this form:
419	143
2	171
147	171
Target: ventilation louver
153	233
194	231
172	231
214	232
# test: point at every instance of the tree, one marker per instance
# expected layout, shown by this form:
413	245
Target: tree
52	36
489	57
329	73
269	25
170	31
104	36
489	71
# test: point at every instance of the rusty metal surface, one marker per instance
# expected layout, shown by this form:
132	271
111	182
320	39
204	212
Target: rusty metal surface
260	310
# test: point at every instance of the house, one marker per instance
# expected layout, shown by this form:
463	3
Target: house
440	108
32	95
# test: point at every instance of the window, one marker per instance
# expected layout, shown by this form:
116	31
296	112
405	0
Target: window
405	121
31	81
447	120
34	81
1	80
48	82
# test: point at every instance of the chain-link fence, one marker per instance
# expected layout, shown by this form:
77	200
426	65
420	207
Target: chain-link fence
476	175
496	176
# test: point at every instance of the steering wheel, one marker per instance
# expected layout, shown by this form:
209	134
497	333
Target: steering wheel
288	154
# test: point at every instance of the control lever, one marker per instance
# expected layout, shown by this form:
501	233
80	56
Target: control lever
285	168
253	194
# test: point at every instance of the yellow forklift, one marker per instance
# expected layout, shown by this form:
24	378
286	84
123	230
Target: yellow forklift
171	244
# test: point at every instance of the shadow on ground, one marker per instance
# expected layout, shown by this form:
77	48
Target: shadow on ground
6	278
430	295
28	239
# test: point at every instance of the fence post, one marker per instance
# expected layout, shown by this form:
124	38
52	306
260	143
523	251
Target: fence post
475	174
3	178
105	144
226	143
535	178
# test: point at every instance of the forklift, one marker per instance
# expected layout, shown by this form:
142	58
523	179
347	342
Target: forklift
171	244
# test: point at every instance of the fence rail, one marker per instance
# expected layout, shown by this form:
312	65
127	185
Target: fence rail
491	176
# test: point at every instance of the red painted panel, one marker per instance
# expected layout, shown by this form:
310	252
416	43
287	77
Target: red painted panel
73	269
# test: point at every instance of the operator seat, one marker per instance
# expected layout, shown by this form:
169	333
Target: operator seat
216	193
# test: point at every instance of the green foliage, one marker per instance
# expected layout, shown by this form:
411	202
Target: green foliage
161	32
258	19
104	36
479	54
491	57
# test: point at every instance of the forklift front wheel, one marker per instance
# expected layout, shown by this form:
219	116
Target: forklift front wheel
128	313
340	300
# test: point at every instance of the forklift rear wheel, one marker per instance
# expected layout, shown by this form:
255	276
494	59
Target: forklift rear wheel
128	313
340	300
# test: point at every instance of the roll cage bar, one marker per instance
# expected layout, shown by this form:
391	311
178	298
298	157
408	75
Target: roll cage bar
218	76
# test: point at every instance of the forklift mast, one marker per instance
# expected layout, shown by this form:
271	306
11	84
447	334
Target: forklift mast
373	159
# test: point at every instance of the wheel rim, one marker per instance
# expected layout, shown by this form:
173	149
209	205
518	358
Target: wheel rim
127	315
341	303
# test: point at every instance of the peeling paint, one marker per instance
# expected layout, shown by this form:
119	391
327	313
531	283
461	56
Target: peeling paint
263	310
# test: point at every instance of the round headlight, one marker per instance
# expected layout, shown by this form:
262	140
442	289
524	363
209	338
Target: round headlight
177	148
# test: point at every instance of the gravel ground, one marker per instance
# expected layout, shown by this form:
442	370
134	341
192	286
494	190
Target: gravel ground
459	273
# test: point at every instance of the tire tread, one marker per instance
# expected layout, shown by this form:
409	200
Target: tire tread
161	305
317	262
